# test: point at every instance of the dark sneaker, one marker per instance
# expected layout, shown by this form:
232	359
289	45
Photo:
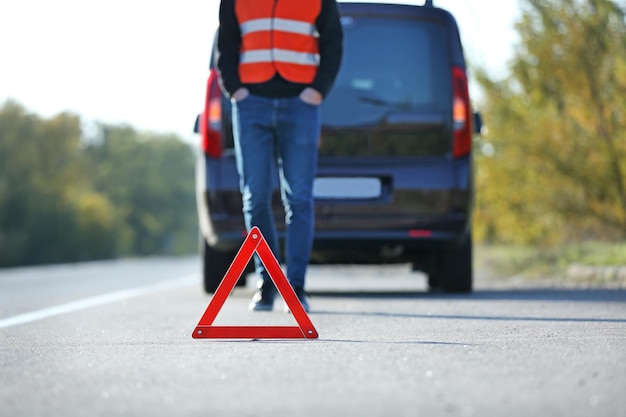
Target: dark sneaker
263	298
302	297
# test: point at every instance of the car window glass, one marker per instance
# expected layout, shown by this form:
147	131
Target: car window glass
389	66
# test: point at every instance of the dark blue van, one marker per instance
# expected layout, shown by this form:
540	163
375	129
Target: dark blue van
395	178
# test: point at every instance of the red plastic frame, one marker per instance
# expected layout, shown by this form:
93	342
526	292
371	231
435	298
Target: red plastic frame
255	242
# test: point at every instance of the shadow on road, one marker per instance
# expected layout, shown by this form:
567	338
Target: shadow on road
526	294
542	294
469	317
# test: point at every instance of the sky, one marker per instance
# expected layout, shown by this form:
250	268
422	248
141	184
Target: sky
144	63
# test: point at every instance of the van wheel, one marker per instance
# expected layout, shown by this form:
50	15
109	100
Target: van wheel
215	263
430	264
434	281
455	273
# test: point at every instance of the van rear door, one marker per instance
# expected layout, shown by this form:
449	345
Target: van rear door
392	97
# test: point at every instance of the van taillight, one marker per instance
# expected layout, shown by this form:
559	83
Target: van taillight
461	111
211	118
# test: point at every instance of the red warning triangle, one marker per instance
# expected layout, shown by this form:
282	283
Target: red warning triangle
255	242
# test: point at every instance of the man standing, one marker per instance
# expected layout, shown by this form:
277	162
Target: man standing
277	60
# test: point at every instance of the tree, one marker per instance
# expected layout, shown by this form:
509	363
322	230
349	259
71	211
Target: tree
43	217
149	180
557	125
64	198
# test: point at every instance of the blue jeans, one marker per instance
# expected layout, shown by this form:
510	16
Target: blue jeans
278	133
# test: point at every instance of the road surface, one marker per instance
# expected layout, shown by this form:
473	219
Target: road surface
114	339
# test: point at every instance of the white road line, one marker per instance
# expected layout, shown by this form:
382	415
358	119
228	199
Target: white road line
90	302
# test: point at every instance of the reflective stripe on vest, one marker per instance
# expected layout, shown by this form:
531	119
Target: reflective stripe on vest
278	36
284	25
281	55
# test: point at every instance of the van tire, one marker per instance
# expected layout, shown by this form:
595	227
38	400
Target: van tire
215	264
455	269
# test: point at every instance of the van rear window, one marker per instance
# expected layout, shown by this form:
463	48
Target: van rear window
389	66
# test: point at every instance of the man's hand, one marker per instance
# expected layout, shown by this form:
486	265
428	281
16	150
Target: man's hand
311	96
240	94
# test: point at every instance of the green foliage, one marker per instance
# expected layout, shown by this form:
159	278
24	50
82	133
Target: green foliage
556	263
149	181
64	200
557	125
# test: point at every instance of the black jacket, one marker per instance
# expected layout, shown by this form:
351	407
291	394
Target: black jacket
228	47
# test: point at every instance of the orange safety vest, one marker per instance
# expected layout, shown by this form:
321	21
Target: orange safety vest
278	36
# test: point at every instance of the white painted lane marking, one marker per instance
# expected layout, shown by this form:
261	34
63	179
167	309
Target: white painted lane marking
90	302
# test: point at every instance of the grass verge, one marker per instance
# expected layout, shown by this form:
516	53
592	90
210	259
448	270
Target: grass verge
591	263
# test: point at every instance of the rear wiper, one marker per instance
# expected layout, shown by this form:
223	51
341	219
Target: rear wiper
374	101
403	113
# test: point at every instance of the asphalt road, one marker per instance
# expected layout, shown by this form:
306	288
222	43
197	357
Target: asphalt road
114	339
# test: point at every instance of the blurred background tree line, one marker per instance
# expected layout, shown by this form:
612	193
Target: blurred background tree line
70	193
551	170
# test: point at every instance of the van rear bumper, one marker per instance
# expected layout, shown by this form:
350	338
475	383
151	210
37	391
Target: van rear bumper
425	205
